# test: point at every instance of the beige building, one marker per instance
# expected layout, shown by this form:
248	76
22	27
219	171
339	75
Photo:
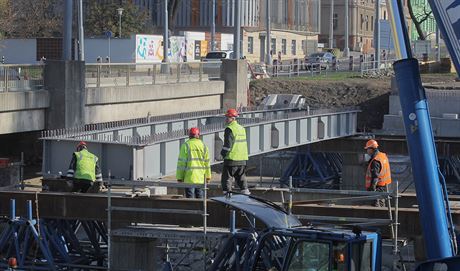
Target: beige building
289	45
361	24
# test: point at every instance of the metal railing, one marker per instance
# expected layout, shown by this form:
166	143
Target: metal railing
369	68
118	74
21	77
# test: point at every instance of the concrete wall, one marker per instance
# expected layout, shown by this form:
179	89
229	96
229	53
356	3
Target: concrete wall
23	111
235	75
19	51
120	103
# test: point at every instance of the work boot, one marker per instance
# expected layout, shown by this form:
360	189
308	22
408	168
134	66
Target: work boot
246	192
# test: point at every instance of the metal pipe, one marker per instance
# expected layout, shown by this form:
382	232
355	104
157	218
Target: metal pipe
12	209
213	25
81	32
165	31
424	160
232	221
438	45
399	29
67	43
205	222
346	50
109	222
396	222
29	210
377	34
331	25
290	195
268	38
237	30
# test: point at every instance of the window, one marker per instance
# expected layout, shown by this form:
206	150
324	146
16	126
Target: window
310	255
372	23
273	46
367	22
250	45
304	47
335	21
293	47
284	46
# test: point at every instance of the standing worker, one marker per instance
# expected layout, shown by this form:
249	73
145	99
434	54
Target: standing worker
378	173
235	154
193	164
85	170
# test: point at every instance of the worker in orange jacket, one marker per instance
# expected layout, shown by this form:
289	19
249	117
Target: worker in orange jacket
378	173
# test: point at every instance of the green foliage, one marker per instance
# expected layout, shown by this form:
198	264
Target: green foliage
104	17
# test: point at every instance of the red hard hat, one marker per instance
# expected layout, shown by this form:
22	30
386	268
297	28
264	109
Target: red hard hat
81	144
194	131
232	113
371	144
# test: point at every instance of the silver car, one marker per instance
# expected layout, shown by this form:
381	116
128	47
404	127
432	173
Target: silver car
319	60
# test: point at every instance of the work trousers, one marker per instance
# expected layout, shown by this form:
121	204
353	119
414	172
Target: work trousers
193	192
380	202
236	172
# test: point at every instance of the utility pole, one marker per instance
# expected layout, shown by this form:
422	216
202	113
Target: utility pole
377	33
331	26
81	33
67	44
237	32
268	38
213	25
165	32
120	13
346	50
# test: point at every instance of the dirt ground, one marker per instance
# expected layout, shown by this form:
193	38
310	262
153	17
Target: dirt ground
370	94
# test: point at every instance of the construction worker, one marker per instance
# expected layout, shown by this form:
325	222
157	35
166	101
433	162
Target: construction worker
378	173
193	164
85	170
235	154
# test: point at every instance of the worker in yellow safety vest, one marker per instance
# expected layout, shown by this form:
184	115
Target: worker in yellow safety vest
193	165
84	169
234	153
378	173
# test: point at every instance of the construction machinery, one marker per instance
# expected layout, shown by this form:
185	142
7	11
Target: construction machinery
286	245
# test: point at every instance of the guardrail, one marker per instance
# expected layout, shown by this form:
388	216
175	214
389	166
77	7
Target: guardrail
122	74
21	77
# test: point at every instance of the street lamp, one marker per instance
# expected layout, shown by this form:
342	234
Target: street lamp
120	12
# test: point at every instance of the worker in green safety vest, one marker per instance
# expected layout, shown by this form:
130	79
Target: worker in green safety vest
84	169
235	154
193	165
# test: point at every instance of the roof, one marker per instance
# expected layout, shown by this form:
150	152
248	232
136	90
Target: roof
270	214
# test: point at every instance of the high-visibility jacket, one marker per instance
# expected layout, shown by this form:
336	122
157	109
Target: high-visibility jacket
239	149
384	175
193	164
85	166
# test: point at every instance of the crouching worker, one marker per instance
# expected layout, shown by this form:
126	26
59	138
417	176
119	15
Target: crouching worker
85	171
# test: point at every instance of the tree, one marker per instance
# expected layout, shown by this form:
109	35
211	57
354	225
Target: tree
30	19
104	17
419	18
173	8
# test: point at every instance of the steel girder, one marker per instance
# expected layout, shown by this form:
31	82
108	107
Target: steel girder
149	150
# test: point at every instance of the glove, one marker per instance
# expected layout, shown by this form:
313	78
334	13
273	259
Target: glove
180	181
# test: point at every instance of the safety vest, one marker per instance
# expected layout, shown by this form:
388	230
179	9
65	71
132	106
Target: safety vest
86	165
384	175
239	150
193	163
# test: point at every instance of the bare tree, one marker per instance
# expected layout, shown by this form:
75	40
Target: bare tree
418	19
29	19
173	8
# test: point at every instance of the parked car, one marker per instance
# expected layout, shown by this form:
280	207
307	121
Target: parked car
319	60
212	63
218	56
